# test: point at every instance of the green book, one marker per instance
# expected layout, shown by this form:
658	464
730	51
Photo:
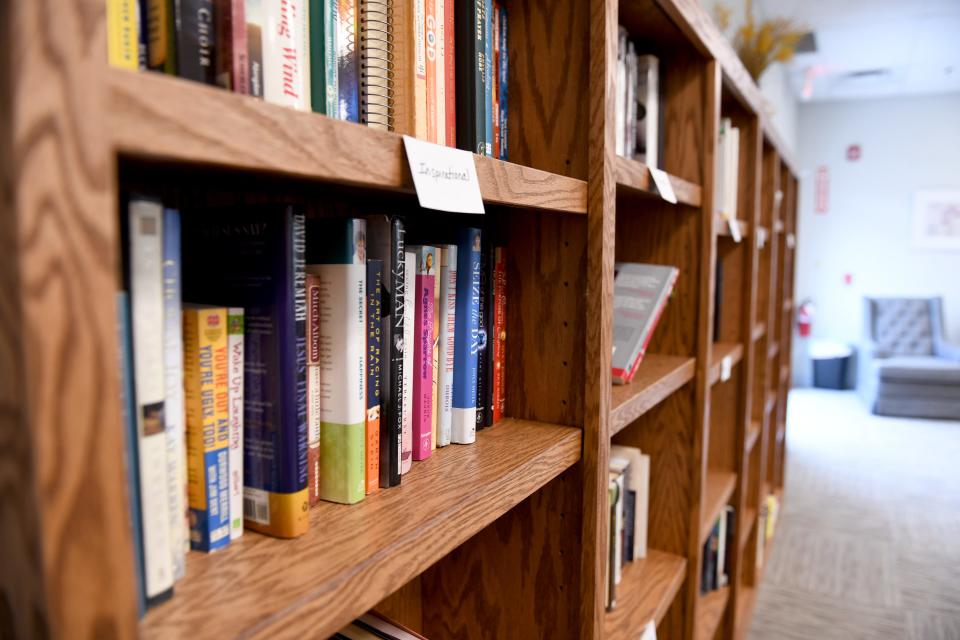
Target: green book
323	52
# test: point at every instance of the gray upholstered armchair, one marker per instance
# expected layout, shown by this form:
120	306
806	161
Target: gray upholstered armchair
908	369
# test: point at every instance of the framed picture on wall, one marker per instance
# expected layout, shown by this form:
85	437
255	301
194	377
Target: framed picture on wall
936	219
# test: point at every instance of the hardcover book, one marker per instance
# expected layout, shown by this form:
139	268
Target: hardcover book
145	237
483	363
196	40
488	76
448	50
254	258
647	95
323	62
348	60
640	293
374	364
161	36
174	415
431	59
386	239
409	305
337	254
253	13
499	400
502	92
123	34
206	385
447	312
441	71
235	362
426	270
466	338
314	312
410	72
284	58
471	75
232	64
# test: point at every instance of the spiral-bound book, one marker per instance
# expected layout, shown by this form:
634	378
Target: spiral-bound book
376	64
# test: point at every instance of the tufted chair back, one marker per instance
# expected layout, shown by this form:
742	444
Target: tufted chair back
902	326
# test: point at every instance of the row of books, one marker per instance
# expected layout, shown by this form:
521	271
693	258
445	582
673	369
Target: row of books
434	69
640	294
325	356
629	500
638	109
718	551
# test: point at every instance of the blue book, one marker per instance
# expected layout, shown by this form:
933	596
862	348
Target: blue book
348	59
130	434
466	337
254	258
502	73
488	75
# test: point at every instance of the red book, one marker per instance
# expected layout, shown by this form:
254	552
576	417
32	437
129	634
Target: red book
450	78
233	68
499	333
431	37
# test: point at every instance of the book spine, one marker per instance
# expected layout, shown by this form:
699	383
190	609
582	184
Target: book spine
391	424
406	450
196	40
495	70
123	34
143	34
231	50
423	352
446	309
499	333
240	57
343	370
488	77
483	339
253	13
146	302
330	22
470	51
430	53
435	352
449	56
374	360
208	426
503	80
441	72
283	54
348	60
131	463
161	36
466	338
376	64
313	387
174	415
421	96
318	52
235	349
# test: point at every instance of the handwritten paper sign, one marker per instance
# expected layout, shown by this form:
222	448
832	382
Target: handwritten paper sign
726	368
664	188
445	179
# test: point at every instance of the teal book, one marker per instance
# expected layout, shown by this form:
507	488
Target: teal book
323	63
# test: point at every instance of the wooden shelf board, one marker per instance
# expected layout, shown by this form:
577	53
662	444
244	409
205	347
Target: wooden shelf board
635	176
753	435
746	598
771	402
718	352
710	610
722	228
657	377
355	555
747	525
646	590
161	117
759	330
716	495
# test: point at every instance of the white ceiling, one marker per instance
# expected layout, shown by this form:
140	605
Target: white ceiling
915	42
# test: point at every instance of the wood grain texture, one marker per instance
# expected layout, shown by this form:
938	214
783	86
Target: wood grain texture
518	577
710	612
160	117
405	605
722	228
748	522
759	331
353	556
744	612
718	488
65	544
719	351
634	175
647	589
657	377
753	434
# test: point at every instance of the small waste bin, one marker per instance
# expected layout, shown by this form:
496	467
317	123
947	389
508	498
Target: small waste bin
830	363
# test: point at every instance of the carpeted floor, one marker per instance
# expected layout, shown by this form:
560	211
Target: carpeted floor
868	542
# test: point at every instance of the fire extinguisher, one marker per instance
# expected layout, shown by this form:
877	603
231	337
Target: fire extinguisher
805	318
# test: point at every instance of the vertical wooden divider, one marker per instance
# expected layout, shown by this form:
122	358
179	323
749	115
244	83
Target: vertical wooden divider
65	542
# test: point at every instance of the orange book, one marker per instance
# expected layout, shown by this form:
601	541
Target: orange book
373	359
430	43
408	27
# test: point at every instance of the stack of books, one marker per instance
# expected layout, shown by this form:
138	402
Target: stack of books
433	69
277	361
717	552
640	293
638	110
629	500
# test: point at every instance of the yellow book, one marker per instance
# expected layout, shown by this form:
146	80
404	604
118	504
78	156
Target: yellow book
123	42
206	392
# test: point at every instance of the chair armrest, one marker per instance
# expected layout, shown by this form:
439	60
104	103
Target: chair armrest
948	351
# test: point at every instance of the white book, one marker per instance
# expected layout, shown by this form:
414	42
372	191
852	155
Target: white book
722	140
147	315
722	551
174	411
648	109
303	29
618	472
235	347
406	441
284	56
448	312
732	172
638	481
621	97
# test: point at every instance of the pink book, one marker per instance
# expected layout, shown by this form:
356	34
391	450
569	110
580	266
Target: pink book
427	266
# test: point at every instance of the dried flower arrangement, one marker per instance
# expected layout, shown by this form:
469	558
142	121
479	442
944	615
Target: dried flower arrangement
760	44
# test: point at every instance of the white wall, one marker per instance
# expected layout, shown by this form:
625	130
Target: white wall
907	144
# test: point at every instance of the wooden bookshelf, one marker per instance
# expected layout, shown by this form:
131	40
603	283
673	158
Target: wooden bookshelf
657	377
567	208
648	588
